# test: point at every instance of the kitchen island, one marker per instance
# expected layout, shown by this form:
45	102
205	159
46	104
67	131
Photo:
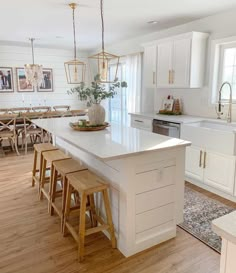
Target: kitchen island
146	176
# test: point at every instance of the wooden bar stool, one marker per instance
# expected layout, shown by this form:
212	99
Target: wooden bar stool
87	184
38	150
47	159
62	168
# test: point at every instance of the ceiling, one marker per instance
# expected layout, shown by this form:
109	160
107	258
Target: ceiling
51	20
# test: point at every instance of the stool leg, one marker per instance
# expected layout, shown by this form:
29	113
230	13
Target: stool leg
93	210
42	182
83	202
40	170
64	191
34	167
67	208
53	190
109	217
50	186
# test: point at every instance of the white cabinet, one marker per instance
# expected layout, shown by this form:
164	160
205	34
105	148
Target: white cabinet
213	169
219	171
141	123
164	63
180	61
150	63
193	163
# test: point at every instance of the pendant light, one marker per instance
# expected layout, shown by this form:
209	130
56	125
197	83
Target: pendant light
75	69
33	72
103	58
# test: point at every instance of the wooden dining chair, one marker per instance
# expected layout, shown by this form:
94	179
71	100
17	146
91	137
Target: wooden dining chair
61	107
19	110
41	108
8	130
31	131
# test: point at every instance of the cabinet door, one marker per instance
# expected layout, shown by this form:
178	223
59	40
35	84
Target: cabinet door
194	162
141	123
219	171
150	63
164	64
181	63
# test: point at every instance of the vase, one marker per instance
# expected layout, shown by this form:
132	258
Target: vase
96	114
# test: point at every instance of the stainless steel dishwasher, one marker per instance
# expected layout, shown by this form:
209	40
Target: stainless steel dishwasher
166	128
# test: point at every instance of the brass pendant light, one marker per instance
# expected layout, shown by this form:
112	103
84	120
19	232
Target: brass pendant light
75	69
103	58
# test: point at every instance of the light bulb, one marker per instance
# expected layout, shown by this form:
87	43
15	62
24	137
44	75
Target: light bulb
103	73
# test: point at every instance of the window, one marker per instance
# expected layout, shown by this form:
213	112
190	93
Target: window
117	106
227	69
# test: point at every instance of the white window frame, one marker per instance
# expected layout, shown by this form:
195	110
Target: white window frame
216	68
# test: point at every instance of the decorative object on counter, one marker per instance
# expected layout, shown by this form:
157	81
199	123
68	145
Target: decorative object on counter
94	94
199	211
75	69
87	126
171	106
103	58
33	72
6	80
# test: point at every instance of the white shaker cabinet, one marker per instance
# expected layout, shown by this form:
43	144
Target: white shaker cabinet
219	171
141	123
150	63
180	61
210	168
164	63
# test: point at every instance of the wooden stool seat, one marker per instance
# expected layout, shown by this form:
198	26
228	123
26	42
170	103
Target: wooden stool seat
48	158
87	184
62	168
38	150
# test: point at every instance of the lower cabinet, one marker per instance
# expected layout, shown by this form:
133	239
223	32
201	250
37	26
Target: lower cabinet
213	169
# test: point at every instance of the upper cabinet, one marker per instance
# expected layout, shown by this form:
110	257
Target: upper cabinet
180	61
150	64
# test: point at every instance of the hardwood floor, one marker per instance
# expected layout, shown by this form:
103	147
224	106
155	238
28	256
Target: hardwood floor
31	242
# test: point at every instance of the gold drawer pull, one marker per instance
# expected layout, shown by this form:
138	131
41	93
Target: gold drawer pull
200	159
204	162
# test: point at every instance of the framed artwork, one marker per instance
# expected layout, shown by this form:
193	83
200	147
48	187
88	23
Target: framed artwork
6	80
47	83
168	104
22	85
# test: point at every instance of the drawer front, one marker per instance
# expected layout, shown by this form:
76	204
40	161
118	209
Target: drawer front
141	123
156	178
154	218
153	199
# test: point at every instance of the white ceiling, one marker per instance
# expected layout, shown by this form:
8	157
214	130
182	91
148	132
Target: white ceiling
46	19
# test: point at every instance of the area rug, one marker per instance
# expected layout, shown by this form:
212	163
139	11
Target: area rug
199	211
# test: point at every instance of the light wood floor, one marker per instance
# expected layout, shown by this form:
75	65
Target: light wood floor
30	240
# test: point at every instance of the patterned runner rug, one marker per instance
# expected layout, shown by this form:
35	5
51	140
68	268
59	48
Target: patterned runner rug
199	211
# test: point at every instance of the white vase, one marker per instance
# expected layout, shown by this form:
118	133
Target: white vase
96	114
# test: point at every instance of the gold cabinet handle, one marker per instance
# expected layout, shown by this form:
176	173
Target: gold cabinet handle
169	76
173	76
154	77
200	159
204	162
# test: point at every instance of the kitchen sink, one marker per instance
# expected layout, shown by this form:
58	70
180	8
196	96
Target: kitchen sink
215	125
214	135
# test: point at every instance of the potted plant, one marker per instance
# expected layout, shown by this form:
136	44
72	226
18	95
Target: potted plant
94	94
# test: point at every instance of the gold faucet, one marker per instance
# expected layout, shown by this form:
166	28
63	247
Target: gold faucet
229	116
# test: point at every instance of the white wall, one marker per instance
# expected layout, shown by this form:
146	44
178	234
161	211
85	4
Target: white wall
196	101
17	56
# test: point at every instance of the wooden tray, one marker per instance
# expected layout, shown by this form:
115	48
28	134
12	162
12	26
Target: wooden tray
88	127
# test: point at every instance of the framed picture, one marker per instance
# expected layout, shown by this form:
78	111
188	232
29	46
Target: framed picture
168	104
47	83
6	80
22	85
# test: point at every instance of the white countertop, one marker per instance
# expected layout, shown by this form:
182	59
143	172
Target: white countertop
225	226
171	118
114	142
